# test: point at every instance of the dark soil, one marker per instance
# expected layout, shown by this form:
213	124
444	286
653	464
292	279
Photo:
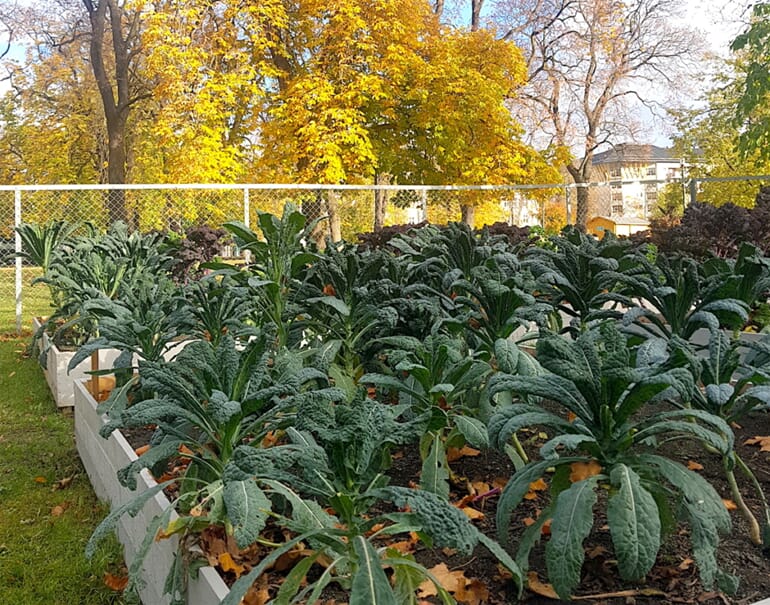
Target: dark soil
674	579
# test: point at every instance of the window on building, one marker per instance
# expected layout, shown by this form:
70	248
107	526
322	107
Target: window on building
617	209
617	193
651	193
615	172
651	170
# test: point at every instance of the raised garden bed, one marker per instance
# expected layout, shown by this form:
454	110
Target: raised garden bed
59	380
102	458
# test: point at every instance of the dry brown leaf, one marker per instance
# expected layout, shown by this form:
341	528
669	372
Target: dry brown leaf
58	511
62	483
142	449
288	559
454	453
762	441
584	470
729	504
686	564
226	563
694	466
113	582
474	592
500	482
41	480
571	416
258	594
528	521
540	588
534	487
403	546
546	531
451	581
472	513
478	487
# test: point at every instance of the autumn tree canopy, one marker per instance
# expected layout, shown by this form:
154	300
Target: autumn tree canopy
281	90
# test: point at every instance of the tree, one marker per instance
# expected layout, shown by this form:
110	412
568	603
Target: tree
114	31
752	116
709	143
588	63
387	93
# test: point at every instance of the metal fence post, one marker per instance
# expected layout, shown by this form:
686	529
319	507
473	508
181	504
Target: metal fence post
17	238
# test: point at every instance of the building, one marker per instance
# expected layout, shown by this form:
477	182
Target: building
620	225
636	174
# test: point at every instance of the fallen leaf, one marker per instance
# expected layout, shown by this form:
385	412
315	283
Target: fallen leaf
41	480
571	416
478	487
546	531
762	441
729	504
584	470
534	487
226	563
472	513
58	511
142	449
694	466
403	546
259	593
62	483
451	581
114	582
528	521
12	374
474	592
686	564
454	453
540	588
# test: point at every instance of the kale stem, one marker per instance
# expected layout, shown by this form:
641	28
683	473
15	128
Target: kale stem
757	487
754	530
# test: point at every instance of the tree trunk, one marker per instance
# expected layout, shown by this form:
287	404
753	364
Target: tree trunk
581	176
115	99
332	208
468	213
581	208
380	201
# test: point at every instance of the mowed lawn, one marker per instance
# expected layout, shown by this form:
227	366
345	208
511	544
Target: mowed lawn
47	507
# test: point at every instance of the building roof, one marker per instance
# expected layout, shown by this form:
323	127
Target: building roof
624	220
627	153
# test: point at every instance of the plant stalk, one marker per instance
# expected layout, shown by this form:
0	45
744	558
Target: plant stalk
755	533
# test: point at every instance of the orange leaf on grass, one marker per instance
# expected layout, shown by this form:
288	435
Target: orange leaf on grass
114	582
584	470
41	480
58	511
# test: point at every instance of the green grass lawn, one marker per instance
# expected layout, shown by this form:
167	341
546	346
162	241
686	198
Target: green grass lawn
47	507
35	299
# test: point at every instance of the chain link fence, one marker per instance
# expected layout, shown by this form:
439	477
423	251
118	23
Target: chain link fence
356	210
